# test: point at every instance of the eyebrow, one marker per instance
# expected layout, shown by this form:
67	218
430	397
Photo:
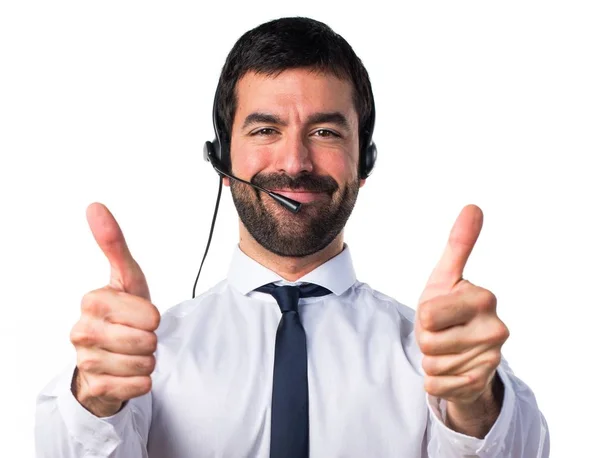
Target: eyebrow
262	118
334	117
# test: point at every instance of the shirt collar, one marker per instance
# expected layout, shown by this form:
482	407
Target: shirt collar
246	274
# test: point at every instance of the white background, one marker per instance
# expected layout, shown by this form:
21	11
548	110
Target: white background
494	104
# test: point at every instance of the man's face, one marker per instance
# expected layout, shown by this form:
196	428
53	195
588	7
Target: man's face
295	134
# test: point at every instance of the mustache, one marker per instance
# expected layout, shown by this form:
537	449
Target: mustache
305	182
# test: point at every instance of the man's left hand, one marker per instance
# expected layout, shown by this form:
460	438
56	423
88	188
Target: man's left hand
457	328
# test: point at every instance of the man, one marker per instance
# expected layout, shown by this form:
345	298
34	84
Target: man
290	356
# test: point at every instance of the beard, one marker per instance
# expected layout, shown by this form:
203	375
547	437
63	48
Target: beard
300	234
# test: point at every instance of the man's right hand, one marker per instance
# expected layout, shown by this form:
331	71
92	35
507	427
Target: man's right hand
114	337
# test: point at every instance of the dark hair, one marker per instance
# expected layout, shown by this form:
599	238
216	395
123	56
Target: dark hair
286	43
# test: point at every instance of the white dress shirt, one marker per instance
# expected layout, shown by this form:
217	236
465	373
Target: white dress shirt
211	391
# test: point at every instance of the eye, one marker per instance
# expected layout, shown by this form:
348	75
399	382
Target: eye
264	132
325	133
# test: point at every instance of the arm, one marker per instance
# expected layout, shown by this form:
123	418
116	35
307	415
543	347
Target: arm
65	429
103	408
477	406
520	431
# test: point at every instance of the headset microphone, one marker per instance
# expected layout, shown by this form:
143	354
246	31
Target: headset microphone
286	202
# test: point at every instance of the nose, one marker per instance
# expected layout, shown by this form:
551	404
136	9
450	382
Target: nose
293	156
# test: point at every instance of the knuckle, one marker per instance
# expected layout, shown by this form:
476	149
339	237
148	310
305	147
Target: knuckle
93	304
430	385
143	365
154	317
85	365
86	362
82	334
76	335
501	333
488	300
505	333
97	386
475	382
429	365
149	364
470	376
426	315
144	385
152	342
426	342
494	360
145	344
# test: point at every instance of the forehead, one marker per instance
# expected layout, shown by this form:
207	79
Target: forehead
301	91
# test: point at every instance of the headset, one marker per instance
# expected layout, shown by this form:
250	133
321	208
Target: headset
218	154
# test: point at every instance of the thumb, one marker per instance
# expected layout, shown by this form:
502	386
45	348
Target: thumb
125	273
449	270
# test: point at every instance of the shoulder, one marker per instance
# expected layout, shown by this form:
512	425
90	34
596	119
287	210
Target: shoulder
397	318
183	313
383	301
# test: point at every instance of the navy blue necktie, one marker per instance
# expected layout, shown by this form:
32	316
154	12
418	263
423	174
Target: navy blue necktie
289	405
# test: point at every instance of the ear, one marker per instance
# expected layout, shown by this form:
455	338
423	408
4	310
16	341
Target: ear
362	182
226	181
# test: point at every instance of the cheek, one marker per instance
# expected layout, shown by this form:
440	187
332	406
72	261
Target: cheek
343	167
247	162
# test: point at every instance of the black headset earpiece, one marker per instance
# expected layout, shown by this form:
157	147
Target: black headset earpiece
368	152
211	154
367	160
217	151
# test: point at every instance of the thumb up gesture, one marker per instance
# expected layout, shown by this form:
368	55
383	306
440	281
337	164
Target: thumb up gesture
114	337
457	328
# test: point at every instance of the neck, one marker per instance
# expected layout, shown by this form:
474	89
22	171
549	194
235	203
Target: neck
288	267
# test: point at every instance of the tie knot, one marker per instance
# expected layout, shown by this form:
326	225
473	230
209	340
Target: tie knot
287	296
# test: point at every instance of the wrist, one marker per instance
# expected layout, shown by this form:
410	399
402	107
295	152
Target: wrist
477	418
100	407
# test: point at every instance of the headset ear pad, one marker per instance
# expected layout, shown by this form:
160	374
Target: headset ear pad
367	160
209	151
211	154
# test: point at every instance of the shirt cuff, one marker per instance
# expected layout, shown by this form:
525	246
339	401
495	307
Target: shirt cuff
495	440
98	436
